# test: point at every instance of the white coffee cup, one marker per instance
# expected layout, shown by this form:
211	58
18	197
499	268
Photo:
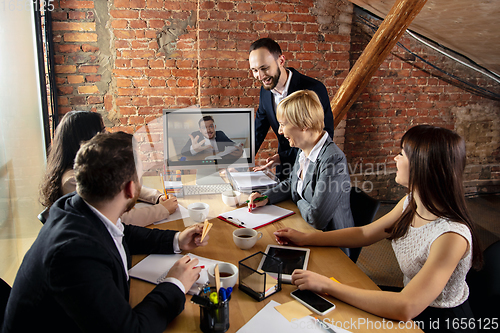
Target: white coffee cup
246	238
231	198
198	211
225	268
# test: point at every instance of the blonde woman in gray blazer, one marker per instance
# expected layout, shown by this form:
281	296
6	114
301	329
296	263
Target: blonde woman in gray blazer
319	183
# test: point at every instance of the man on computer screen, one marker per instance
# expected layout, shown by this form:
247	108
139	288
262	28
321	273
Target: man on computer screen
267	64
210	141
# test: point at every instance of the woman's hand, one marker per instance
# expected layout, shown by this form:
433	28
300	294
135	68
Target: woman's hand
307	280
289	236
254	204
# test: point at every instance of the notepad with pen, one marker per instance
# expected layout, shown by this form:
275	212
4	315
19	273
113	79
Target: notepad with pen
257	218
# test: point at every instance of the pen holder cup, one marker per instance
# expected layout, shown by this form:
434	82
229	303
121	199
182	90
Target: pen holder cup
214	318
260	275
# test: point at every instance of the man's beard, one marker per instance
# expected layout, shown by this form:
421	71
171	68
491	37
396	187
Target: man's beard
274	81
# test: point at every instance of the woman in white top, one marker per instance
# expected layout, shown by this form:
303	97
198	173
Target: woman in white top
75	128
319	183
432	236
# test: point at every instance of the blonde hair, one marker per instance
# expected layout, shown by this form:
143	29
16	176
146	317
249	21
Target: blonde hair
303	110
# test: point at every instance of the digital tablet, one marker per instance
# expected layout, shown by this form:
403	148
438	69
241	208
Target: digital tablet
292	258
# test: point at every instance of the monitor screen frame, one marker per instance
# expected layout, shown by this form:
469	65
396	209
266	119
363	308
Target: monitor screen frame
200	164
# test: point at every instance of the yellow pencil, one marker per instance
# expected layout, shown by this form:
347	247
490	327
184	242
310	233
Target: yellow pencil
163	186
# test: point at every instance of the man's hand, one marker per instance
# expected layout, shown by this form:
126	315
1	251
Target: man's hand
191	236
270	163
185	270
169	203
198	145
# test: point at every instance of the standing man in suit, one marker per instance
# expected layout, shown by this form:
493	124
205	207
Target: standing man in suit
75	276
267	64
207	138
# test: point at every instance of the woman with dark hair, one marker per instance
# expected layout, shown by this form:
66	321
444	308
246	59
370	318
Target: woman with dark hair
432	236
75	128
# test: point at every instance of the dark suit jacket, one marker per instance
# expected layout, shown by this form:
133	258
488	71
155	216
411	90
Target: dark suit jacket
266	117
326	190
220	137
72	279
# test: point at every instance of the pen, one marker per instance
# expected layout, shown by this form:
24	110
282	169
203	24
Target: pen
202	266
324	326
163	186
200	300
264	197
214	298
222	294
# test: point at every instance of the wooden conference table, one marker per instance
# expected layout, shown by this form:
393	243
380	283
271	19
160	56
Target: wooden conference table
327	261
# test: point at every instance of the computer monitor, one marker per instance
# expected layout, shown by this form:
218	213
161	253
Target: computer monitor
208	140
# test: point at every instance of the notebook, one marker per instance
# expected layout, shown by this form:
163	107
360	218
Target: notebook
154	269
259	217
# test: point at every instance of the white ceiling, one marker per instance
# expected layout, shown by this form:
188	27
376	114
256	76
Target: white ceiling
471	28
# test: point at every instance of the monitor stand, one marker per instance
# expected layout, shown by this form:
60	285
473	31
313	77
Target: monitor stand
208	176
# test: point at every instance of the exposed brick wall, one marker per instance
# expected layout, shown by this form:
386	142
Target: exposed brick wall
405	92
168	54
129	59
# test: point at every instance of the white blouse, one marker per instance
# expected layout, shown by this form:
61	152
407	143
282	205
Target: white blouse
412	251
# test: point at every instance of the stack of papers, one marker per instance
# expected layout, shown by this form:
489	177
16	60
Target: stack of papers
256	218
248	182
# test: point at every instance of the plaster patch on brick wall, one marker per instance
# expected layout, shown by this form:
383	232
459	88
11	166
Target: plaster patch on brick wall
104	58
334	16
479	125
168	36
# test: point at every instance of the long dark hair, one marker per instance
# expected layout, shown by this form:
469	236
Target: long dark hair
437	161
74	128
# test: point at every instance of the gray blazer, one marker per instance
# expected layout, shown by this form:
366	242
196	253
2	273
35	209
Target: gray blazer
326	190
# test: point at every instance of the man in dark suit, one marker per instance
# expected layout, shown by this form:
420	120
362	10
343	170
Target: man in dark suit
208	139
267	64
75	276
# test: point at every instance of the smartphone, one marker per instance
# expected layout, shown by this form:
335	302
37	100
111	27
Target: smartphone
313	301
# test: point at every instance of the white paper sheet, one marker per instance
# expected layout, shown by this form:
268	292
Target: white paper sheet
156	266
270	320
180	213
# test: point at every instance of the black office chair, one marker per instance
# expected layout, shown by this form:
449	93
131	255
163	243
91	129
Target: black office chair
363	208
4	296
484	286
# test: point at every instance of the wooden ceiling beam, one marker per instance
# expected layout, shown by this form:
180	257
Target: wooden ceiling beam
388	34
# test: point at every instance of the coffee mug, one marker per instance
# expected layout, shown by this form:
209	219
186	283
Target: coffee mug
228	274
246	238
198	211
231	198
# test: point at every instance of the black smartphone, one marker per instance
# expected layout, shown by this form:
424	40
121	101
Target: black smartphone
313	301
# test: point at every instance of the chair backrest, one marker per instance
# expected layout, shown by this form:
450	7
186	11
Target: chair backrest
4	297
363	208
484	285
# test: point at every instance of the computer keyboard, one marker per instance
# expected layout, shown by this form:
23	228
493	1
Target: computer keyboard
206	189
